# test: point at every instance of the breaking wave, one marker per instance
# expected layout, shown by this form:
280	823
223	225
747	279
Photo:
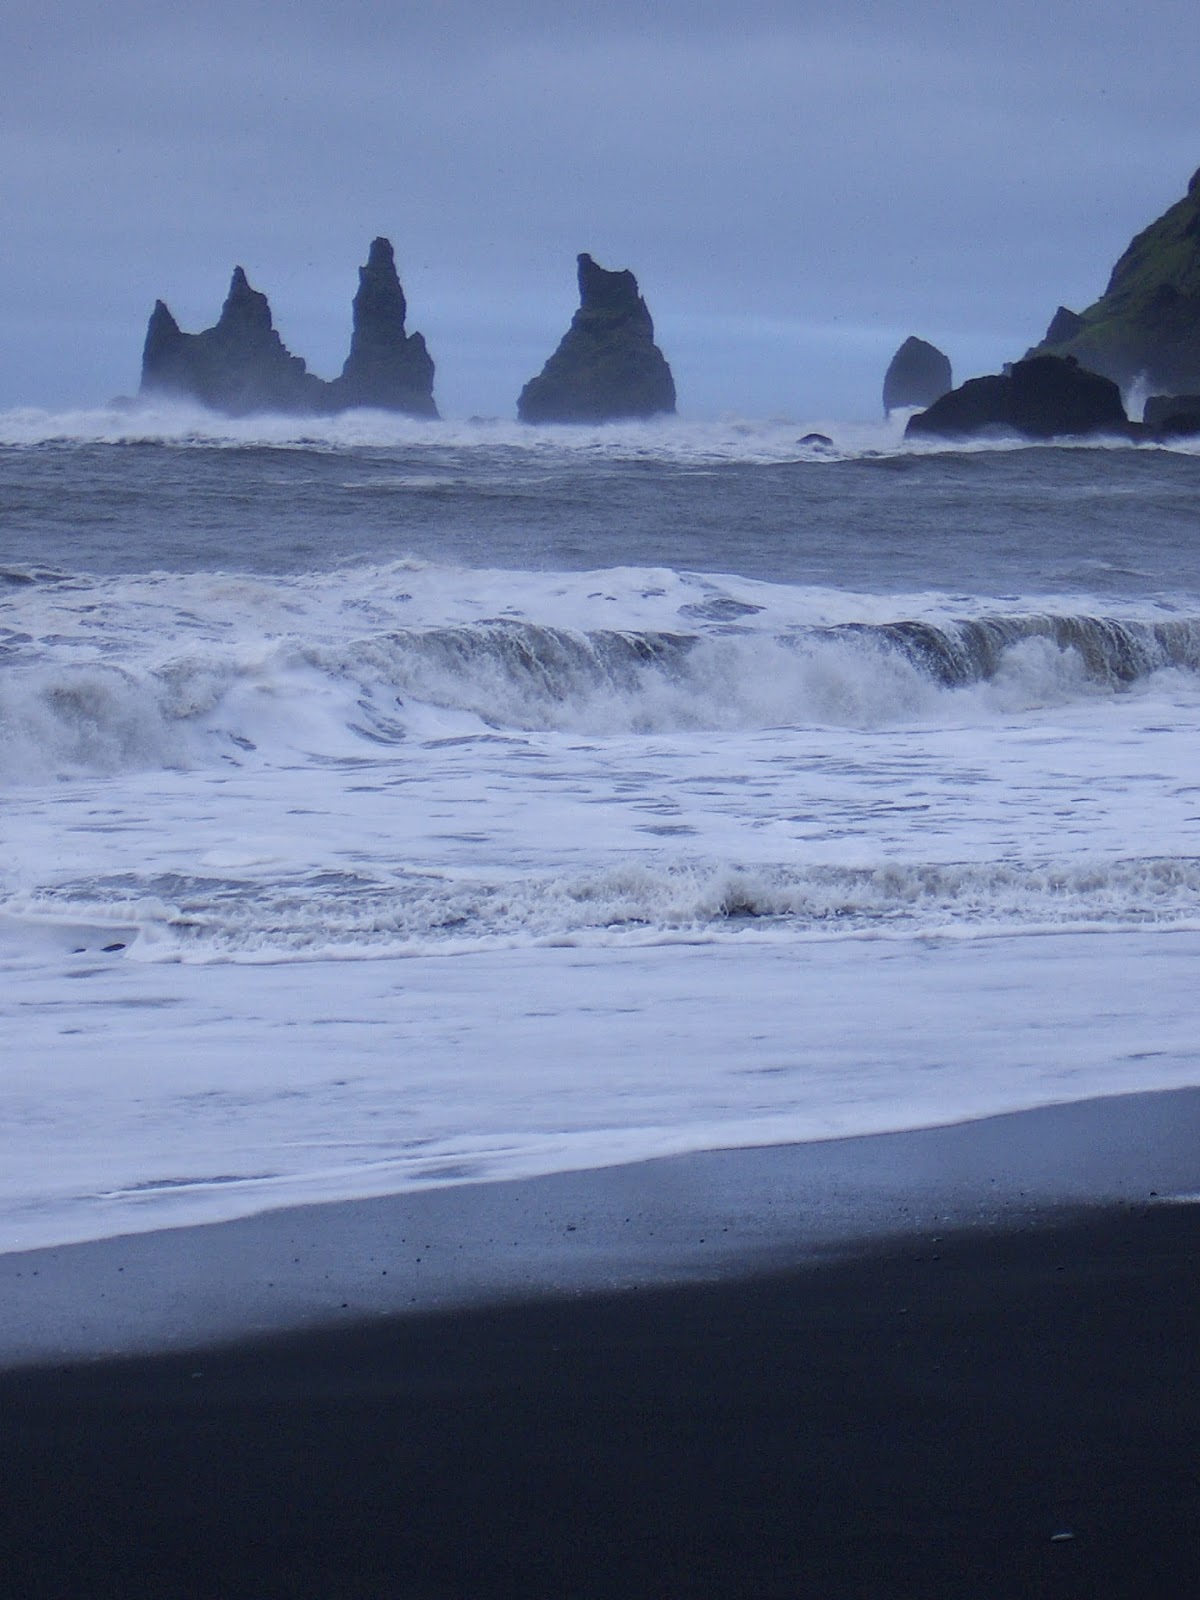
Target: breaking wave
58	718
1110	651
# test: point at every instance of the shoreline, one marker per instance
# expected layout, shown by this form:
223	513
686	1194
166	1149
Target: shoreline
1011	1412
707	1217
955	1362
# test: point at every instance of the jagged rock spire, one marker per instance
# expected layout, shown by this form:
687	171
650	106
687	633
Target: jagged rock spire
386	366
245	307
241	365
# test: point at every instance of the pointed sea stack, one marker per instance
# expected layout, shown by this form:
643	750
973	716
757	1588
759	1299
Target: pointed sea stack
1146	325
918	375
165	353
607	366
386	367
241	365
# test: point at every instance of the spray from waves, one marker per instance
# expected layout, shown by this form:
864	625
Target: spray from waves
181	425
319	914
665	440
324	698
57	721
750	441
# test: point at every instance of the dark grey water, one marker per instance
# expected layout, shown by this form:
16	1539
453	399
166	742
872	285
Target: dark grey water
1039	520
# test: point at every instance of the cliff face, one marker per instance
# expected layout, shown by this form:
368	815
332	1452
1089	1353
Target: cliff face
241	365
1146	325
918	375
607	365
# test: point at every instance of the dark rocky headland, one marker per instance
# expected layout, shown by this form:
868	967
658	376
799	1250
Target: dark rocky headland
1043	397
607	366
1145	327
241	365
1143	331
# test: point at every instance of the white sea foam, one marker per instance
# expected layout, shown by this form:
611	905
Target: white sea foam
718	859
247	914
139	1097
115	674
667	439
285	699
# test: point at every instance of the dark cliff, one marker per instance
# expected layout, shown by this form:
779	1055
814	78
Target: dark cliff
607	366
239	365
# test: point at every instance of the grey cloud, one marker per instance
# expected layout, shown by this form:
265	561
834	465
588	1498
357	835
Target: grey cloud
796	188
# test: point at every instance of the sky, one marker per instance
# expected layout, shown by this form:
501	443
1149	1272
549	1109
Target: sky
797	186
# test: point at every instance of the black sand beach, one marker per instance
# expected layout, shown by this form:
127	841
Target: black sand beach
1008	1409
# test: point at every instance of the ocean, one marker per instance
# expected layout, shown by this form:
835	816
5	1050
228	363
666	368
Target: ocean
391	804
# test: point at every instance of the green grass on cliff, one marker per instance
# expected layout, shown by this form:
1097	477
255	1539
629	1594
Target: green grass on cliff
1152	302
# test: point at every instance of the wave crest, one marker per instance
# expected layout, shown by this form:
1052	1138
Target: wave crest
501	674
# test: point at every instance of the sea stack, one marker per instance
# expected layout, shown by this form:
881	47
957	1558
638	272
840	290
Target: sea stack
241	366
607	366
387	367
237	366
1043	397
1146	324
918	375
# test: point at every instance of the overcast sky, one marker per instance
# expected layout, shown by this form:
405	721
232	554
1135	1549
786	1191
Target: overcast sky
797	186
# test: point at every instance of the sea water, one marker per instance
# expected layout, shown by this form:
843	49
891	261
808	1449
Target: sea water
388	804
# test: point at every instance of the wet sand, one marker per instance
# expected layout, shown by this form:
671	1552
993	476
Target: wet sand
1009	1409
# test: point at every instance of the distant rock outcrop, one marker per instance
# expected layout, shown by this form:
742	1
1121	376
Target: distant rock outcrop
1146	325
1042	397
607	366
241	365
1172	416
918	375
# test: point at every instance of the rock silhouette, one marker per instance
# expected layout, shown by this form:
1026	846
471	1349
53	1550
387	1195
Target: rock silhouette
1146	324
1172	416
241	365
1064	325
1042	397
917	375
607	366
386	367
